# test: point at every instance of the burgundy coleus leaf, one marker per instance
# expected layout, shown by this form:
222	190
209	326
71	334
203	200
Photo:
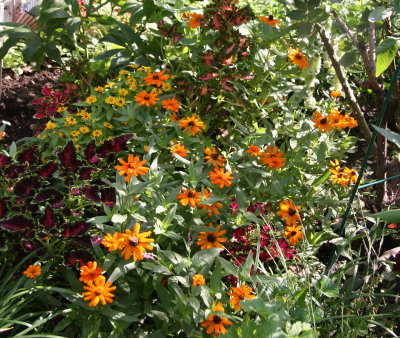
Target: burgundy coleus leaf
84	173
17	223
25	187
83	257
108	197
13	170
84	241
75	229
28	155
68	157
49	220
46	194
92	192
47	169
90	152
3	208
114	145
4	160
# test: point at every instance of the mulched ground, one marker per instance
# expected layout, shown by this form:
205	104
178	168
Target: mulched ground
16	94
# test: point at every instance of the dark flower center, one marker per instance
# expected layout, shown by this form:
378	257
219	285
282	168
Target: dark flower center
98	292
214	156
293	233
292	211
298	57
191	123
133	241
217	319
211	238
190	194
146	97
155	77
323	121
271	17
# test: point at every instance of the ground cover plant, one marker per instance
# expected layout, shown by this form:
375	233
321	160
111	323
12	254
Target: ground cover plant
190	176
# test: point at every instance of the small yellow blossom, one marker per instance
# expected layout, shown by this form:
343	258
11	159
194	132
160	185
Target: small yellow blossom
133	87
109	84
122	92
107	125
97	133
84	129
70	121
99	89
50	125
123	72
61	109
91	99
166	87
110	100
74	133
119	101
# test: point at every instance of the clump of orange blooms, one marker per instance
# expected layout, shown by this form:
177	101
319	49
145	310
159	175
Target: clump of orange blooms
335	119
340	175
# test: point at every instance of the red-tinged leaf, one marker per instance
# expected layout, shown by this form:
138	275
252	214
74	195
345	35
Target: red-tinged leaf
48	169
76	229
68	157
90	152
28	155
48	219
17	223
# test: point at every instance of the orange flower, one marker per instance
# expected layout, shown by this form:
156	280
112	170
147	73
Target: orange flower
147	99
90	272
298	58
156	78
3	133
133	167
208	240
239	294
174	117
293	233
33	271
336	119
289	212
211	208
321	122
338	176
192	124
221	177
216	323
171	104
198	280
195	20
351	174
272	158
135	244
335	93
254	150
112	242
99	291
179	150
189	196
212	156
270	20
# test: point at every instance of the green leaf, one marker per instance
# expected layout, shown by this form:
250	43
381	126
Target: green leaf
385	53
148	6
296	15
13	149
206	256
107	54
240	126
72	25
390	135
390	216
117	218
121	270
229	268
53	52
305	28
54	13
215	281
396	5
379	14
348	59
327	287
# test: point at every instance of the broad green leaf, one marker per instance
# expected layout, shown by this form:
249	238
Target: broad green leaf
229	268
385	54
121	270
148	6
348	59
379	14
240	126
327	287
390	216
304	28
390	135
206	256
296	15
107	54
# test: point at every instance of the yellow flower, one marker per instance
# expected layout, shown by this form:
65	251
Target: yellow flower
74	139
74	133
109	84
50	125
146	148
134	66
135	243
122	92
107	125
84	129
131	80
133	87
70	121
91	99
61	109
110	100
166	87
97	133
120	101
123	72
99	89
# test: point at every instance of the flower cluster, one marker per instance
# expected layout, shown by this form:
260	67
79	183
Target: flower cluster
272	157
336	119
132	243
342	176
97	288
